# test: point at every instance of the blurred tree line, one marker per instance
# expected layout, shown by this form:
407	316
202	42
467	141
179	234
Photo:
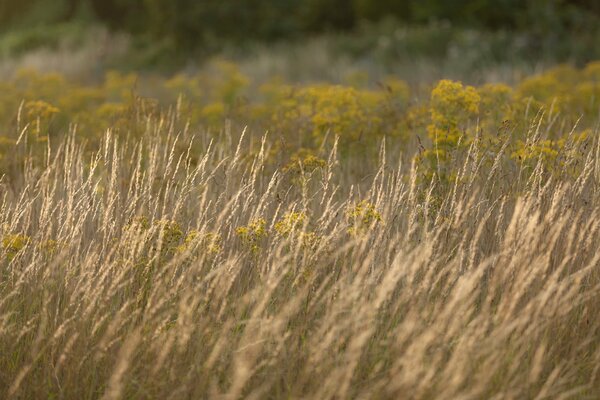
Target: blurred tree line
190	23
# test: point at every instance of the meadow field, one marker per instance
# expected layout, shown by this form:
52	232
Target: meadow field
300	199
213	235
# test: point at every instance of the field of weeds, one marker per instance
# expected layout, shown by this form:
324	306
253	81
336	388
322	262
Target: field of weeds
210	236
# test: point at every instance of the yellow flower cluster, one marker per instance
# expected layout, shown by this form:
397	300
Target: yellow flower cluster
566	90
253	234
452	107
169	237
302	119
13	243
292	226
208	242
304	161
361	217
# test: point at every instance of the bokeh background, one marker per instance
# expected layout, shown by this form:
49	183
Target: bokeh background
472	40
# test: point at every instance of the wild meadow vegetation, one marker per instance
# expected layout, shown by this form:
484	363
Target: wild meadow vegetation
211	236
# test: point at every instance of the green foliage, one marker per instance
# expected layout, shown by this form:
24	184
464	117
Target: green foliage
188	24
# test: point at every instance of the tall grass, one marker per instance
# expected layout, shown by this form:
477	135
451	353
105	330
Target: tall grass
487	290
